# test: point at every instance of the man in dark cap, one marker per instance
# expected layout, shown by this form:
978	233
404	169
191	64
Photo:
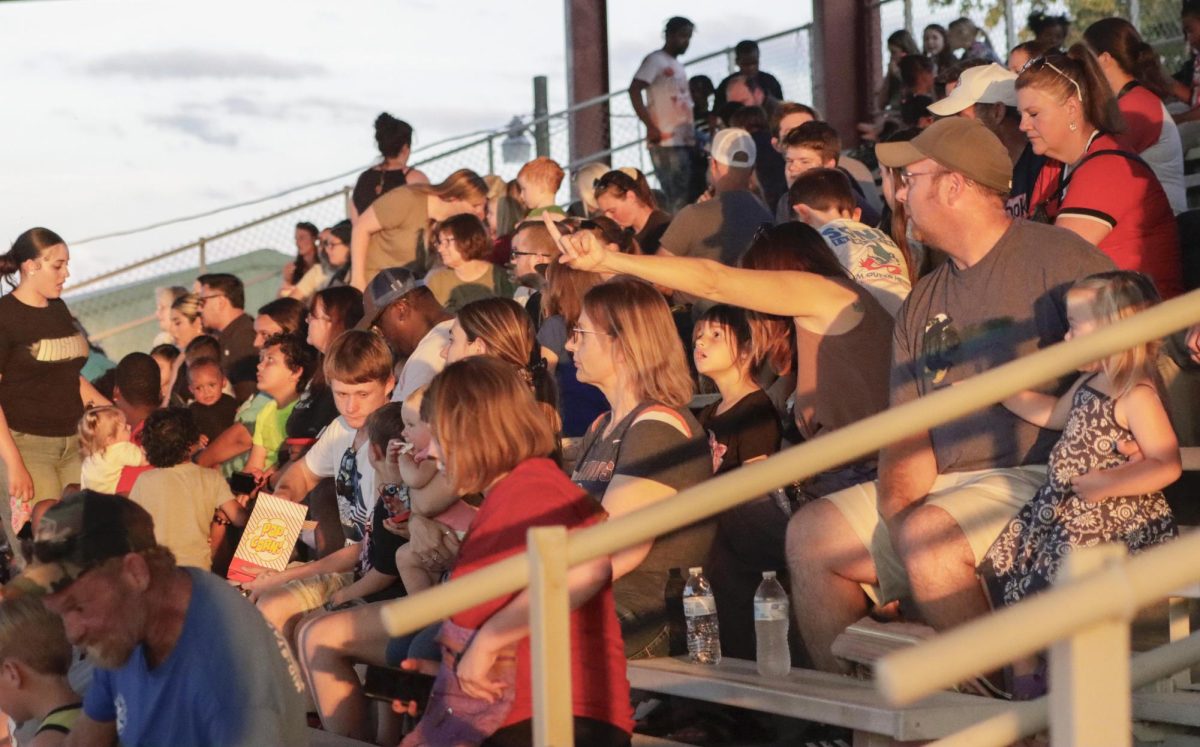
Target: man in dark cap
181	658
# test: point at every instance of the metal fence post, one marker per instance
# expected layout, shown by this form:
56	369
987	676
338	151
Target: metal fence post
203	255
908	19
1010	31
347	192
550	637
1089	672
491	148
541	108
1135	13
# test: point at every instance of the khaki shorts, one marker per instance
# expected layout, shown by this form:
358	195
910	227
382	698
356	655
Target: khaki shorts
981	502
311	593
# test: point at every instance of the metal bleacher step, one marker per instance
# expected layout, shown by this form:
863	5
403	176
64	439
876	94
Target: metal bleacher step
813	696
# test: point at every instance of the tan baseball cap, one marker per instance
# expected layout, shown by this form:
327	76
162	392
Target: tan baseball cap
958	144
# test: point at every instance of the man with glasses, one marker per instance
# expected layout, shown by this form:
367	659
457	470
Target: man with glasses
222	312
532	250
942	497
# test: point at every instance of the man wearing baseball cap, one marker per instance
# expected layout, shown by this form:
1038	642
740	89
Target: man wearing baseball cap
414	324
942	497
181	658
988	93
720	228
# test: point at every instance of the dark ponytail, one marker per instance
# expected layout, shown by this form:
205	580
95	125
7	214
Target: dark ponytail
29	245
1133	55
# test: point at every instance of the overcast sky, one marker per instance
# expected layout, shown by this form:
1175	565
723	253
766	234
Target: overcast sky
120	113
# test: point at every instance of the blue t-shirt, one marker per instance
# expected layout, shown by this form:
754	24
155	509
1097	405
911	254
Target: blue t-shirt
229	681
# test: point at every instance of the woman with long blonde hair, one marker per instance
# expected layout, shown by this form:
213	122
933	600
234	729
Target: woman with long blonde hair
645	449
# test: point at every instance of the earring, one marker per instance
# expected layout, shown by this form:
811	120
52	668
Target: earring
1073	126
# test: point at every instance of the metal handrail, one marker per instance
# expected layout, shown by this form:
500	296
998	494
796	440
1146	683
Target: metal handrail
838	447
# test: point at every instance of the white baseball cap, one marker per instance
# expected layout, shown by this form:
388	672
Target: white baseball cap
733	146
985	84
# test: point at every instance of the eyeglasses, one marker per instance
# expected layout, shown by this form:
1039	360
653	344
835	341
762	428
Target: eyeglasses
576	332
1044	62
314	318
908	176
515	253
444	241
332	242
205	299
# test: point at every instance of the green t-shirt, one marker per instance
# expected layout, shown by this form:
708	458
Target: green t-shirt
270	429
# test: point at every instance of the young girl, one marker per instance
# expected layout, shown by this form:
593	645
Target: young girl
742	427
106	449
418	470
1094	493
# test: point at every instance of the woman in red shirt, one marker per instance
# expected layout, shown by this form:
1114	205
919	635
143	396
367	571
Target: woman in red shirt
491	437
1091	184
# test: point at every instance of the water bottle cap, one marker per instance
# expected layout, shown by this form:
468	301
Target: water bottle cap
768	574
696	571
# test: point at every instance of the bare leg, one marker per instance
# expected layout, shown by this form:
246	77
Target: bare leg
827	563
941	568
328	647
283	609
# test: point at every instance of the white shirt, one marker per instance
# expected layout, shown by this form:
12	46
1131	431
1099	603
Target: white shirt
1165	159
324	459
102	471
872	259
425	362
669	99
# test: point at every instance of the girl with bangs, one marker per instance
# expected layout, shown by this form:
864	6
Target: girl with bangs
1094	493
742	427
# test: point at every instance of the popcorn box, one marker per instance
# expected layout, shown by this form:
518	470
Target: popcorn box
269	539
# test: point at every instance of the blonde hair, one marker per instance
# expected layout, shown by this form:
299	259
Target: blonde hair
1117	295
544	172
485	420
463	185
638	320
98	429
34	636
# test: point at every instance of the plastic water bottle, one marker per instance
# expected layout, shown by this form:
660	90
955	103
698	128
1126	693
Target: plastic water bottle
700	609
771	628
676	625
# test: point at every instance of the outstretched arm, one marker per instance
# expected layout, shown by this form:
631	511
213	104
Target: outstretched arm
785	293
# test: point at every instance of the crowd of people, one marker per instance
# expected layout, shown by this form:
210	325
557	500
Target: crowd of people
460	361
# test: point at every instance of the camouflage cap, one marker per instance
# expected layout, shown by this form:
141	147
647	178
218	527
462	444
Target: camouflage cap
79	533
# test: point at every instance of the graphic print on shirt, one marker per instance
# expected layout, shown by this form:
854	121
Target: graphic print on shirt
61	349
939	345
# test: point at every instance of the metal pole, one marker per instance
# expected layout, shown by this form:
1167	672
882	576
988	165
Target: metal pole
491	146
541	130
550	637
1089	700
201	245
1010	25
908	18
1135	13
347	191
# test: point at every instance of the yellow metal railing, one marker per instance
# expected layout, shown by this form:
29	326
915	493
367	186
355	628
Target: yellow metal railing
720	493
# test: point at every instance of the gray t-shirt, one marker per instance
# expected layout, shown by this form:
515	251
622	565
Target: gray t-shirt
957	323
719	229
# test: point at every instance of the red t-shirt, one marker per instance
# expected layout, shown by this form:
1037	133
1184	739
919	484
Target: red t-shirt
537	493
1123	194
1143	114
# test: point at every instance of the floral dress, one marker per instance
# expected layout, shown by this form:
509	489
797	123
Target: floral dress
1025	558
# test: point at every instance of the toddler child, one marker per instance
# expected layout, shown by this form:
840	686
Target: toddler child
104	440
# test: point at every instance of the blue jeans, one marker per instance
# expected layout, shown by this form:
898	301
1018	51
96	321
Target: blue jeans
678	172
